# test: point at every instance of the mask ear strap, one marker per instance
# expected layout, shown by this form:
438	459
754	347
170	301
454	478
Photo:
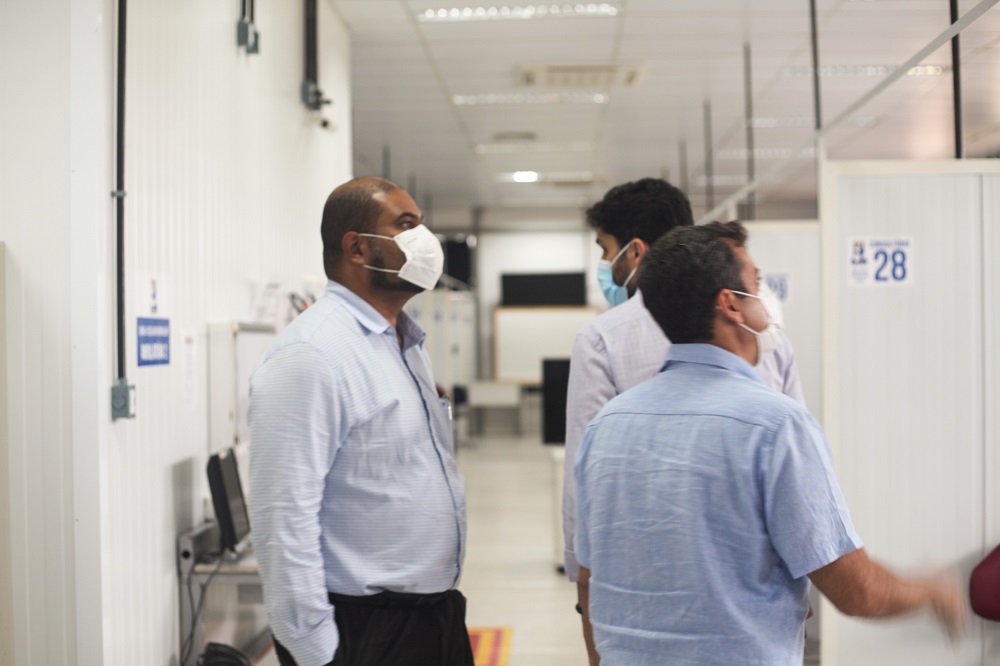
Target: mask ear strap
621	252
625	284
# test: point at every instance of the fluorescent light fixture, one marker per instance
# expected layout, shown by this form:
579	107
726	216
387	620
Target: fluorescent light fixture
862	71
735	180
512	147
783	122
760	153
529	98
557	177
518	12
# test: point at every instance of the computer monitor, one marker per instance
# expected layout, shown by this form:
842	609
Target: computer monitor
227	498
555	385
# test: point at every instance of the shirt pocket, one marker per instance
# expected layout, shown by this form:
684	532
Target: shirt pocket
380	448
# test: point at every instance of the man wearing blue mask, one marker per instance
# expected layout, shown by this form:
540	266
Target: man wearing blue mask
624	346
356	504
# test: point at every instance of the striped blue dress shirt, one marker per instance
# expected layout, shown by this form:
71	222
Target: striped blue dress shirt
353	482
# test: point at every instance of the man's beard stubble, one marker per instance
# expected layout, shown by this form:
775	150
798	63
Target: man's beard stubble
388	281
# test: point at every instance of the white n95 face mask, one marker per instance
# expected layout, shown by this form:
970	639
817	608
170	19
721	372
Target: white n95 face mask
769	339
424	256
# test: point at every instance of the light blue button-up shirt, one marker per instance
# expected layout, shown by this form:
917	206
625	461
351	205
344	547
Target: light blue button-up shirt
353	482
619	349
704	499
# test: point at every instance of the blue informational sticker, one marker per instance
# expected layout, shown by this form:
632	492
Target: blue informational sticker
153	338
778	284
880	262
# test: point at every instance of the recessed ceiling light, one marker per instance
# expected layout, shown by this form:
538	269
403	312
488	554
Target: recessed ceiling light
510	12
514	147
553	177
530	98
863	71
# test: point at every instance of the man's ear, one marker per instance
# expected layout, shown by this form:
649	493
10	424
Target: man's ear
353	248
638	249
725	301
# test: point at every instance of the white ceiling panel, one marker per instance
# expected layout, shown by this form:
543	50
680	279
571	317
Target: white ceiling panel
406	72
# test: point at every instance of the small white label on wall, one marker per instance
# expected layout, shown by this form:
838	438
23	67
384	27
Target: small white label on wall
880	262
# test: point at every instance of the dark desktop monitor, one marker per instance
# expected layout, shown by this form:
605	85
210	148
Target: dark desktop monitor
555	384
227	498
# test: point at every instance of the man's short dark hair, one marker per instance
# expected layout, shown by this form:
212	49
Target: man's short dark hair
644	209
683	272
350	207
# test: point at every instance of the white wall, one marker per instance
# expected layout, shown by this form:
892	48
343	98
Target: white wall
792	249
514	252
991	349
226	178
909	389
41	147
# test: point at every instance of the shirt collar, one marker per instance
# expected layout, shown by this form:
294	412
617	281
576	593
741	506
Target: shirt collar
708	354
372	320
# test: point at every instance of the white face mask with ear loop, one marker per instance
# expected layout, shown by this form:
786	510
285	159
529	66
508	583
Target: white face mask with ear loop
769	339
424	256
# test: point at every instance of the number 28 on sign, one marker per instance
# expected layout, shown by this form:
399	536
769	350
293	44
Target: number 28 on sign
880	262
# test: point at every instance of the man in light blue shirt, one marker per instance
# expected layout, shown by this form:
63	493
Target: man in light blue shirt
705	498
624	346
356	505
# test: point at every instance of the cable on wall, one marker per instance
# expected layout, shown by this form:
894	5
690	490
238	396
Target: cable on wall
122	393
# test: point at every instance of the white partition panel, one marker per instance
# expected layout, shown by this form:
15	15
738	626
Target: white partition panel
991	470
6	591
903	385
788	255
526	336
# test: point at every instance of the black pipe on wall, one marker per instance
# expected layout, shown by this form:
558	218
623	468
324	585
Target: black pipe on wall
814	43
121	392
751	205
956	84
119	193
312	68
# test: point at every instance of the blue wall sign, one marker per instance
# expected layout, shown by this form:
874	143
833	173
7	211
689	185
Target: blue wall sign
778	284
153	337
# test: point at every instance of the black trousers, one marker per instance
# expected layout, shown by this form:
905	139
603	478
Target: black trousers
397	629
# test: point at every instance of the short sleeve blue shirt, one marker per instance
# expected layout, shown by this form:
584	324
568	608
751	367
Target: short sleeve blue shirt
704	499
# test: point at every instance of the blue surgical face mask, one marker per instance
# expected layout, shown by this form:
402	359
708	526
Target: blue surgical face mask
615	293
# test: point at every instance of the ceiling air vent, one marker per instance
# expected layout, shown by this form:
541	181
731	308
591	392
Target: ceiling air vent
588	77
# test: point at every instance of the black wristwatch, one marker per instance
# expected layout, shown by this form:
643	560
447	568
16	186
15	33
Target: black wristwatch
579	609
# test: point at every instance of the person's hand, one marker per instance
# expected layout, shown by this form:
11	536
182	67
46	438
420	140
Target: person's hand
948	602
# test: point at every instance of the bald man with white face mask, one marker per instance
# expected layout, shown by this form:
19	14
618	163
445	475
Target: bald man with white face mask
358	509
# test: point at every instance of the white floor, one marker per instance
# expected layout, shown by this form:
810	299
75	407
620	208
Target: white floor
510	575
